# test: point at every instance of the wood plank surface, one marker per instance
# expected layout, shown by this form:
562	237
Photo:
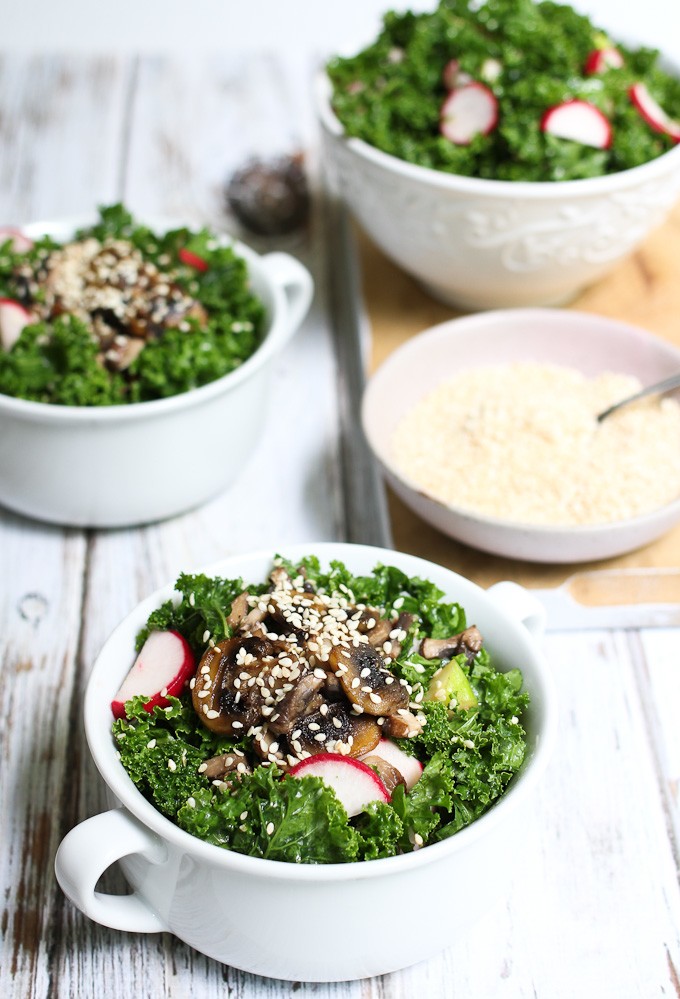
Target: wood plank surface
597	912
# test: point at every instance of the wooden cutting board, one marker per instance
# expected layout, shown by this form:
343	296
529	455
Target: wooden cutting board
644	290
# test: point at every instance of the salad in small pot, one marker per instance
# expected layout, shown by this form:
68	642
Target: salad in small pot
318	716
121	313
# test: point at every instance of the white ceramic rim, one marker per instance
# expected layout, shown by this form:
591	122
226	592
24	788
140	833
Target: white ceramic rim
122	786
154	407
531	190
418	343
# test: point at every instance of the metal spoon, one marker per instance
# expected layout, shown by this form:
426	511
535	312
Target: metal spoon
658	389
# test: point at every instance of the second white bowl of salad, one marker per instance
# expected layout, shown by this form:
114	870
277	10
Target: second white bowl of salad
343	781
134	364
504	153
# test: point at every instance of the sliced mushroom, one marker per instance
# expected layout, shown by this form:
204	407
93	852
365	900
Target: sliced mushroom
270	746
231	684
296	612
122	352
389	775
228	764
321	731
300	700
365	735
239	609
401	625
469	641
366	680
376	628
403	725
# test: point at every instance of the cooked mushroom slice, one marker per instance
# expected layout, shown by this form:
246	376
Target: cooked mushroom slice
376	628
332	688
270	746
280	579
295	703
321	731
389	775
365	733
228	688
122	352
366	680
403	725
469	641
296	612
239	609
225	765
400	629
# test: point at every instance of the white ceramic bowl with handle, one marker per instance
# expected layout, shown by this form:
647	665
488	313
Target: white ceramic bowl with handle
305	921
487	244
113	466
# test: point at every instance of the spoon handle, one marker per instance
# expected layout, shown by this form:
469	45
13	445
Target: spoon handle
657	389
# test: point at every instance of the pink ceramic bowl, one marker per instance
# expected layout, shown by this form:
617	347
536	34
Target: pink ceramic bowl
591	344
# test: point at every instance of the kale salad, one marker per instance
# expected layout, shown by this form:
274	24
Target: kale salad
318	716
121	314
507	90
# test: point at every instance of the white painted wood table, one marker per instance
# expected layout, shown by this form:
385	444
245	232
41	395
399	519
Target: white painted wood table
596	913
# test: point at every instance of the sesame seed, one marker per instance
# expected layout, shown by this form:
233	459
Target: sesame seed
172	765
191	802
212	714
206	636
151	744
320	737
270	828
202	768
375	698
418	839
356	682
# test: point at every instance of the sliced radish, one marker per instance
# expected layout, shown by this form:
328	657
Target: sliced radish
468	111
653	113
579	121
354	783
192	260
163	667
452	76
20	242
600	60
13	318
408	766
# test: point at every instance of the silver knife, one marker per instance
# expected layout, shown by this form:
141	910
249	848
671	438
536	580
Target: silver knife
614	598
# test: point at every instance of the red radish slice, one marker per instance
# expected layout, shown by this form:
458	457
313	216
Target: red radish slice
20	243
653	113
354	782
13	318
600	60
452	76
468	111
192	260
579	121
408	766
163	667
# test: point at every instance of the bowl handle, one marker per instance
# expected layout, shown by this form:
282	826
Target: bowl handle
86	852
296	283
520	604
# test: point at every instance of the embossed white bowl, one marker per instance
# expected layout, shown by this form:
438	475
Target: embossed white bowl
483	244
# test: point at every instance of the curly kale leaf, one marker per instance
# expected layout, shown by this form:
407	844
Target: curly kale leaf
264	815
58	363
203	606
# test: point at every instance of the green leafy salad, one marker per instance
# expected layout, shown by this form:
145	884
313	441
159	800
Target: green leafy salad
318	717
121	313
507	90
